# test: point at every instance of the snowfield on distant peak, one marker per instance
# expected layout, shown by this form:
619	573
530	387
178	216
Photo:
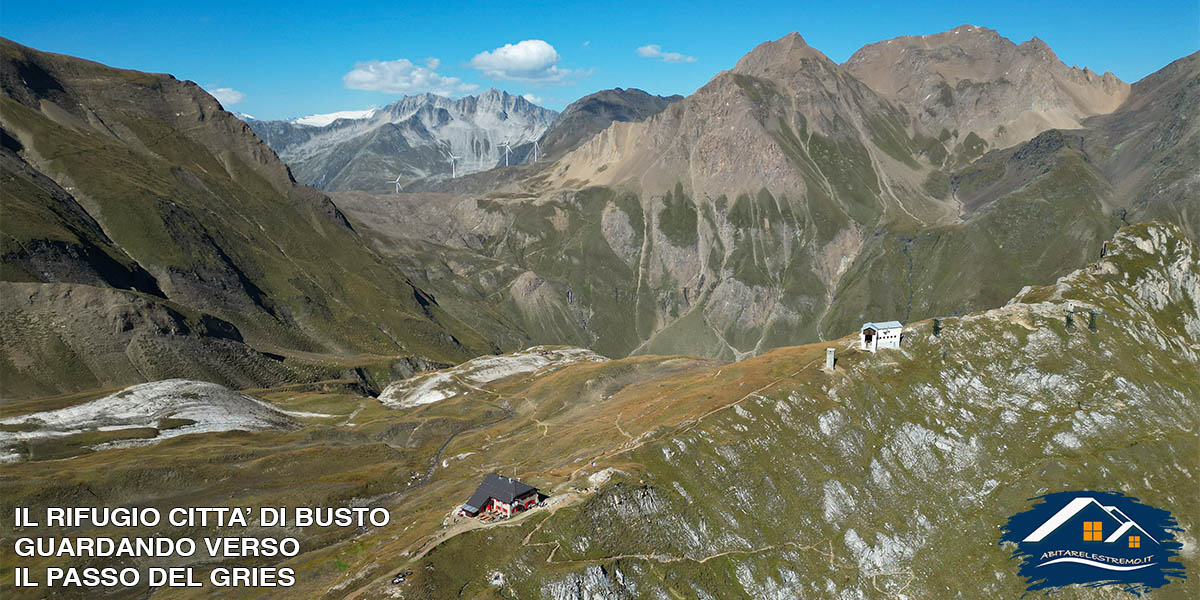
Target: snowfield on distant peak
323	120
447	383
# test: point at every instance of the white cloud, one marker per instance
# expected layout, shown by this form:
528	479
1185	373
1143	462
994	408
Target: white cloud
655	51
401	76
533	99
587	43
532	61
227	96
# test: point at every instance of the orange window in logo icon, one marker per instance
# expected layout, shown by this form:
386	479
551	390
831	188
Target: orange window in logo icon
1092	531
1135	541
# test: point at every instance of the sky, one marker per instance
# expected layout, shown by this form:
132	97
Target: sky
284	60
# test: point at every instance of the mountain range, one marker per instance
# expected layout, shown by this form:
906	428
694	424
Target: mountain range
413	138
784	202
636	323
788	201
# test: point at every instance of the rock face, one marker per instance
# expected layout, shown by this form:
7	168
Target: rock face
1158	141
970	80
411	138
893	476
164	239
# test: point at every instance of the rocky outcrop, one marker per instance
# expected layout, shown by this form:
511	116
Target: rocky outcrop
594	583
171	407
435	386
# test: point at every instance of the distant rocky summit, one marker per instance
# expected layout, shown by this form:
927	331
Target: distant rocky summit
411	138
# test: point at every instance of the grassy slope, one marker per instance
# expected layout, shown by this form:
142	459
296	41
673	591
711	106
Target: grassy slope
185	192
740	479
1035	233
847	482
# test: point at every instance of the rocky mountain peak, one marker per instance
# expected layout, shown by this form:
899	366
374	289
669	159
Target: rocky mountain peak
1037	48
967	33
784	55
973	80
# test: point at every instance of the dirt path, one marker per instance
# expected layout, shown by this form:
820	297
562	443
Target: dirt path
666	558
437	456
570	498
617	422
643	440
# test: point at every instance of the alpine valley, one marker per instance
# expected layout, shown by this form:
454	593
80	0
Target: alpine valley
202	309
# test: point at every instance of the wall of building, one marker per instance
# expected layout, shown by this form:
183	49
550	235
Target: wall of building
888	338
883	338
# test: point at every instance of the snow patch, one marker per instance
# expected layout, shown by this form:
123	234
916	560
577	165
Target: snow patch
325	119
211	407
447	383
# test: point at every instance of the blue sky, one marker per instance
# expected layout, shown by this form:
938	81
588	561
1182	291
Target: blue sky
292	59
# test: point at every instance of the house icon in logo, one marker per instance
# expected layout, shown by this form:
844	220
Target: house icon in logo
1085	519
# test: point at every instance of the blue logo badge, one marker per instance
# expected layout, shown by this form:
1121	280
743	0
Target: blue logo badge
1094	539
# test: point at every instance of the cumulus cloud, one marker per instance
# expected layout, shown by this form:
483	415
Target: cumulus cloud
655	51
401	76
227	96
533	99
532	61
